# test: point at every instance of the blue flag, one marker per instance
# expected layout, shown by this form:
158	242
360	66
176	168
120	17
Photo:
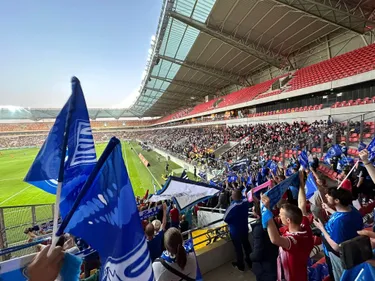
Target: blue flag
105	215
361	146
72	125
361	272
189	247
311	186
371	150
275	195
240	165
304	159
334	151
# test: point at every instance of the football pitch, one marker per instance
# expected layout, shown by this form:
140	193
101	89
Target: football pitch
14	193
14	165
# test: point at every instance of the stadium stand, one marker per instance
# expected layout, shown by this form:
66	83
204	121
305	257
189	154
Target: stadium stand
346	65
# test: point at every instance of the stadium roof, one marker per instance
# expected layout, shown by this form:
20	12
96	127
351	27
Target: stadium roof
36	114
203	46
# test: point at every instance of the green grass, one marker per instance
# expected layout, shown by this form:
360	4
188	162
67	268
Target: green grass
16	194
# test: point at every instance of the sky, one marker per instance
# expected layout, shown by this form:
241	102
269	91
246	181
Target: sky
44	43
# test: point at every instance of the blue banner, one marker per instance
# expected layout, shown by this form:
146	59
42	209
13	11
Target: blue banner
334	151
311	186
304	159
275	195
105	215
72	123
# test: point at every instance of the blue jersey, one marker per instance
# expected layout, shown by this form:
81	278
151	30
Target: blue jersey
343	226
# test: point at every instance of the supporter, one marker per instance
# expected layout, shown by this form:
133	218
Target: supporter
175	216
236	216
175	263
342	226
364	184
297	242
346	184
155	240
184	226
264	254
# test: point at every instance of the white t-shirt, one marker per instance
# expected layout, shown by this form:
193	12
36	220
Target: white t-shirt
163	274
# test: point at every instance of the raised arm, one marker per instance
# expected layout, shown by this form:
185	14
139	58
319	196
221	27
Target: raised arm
272	230
302	193
369	167
164	222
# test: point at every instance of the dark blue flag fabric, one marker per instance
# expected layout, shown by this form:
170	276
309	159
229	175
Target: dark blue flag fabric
334	150
80	157
371	150
105	215
273	167
275	195
361	272
361	146
240	165
303	159
311	186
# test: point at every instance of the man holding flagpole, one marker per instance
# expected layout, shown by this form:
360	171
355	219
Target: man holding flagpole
296	243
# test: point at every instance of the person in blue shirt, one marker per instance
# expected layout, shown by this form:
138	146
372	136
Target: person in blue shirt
155	240
236	216
343	225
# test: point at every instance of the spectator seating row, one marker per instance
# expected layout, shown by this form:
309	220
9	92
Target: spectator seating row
270	94
348	64
289	110
366	100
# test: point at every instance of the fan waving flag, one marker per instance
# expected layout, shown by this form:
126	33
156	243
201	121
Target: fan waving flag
304	159
72	123
105	215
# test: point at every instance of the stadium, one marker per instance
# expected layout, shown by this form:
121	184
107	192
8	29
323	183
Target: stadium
237	96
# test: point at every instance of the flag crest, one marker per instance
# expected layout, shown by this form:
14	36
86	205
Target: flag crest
107	219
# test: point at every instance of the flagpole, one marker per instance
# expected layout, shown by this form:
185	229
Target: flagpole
60	180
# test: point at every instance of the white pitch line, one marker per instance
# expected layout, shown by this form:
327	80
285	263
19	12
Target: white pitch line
14	195
10	179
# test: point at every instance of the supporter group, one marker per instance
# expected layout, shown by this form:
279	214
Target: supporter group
295	238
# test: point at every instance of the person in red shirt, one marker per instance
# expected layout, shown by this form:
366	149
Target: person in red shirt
346	184
175	217
297	242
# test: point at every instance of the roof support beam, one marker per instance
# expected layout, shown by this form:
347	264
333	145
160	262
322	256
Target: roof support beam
193	86
334	12
166	92
226	76
260	53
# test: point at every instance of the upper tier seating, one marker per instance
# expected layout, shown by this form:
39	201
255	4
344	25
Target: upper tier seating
247	94
349	64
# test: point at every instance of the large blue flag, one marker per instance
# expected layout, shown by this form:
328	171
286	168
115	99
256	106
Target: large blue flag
311	186
334	150
303	159
105	215
72	125
275	195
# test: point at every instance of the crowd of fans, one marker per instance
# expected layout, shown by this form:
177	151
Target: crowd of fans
281	249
